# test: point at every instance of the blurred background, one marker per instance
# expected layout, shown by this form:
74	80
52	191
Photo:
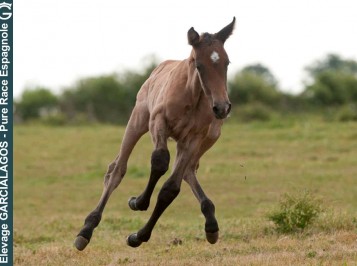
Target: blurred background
84	61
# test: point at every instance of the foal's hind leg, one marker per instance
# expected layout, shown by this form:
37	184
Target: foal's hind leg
137	126
167	194
160	160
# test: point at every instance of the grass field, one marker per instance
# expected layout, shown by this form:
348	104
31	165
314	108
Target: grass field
58	181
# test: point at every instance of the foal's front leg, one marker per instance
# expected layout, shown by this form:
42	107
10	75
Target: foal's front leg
167	194
160	160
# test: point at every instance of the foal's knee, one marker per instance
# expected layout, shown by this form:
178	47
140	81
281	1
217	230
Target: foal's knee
160	160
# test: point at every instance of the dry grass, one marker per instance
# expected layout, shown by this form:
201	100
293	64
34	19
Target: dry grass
58	179
320	249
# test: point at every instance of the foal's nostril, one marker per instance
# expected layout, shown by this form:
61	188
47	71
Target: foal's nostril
215	109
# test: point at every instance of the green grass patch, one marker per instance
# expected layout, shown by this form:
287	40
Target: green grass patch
59	178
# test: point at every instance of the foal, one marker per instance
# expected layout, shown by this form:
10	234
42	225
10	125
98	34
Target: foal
187	101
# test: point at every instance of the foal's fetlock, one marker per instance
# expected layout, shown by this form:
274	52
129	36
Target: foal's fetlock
207	207
93	218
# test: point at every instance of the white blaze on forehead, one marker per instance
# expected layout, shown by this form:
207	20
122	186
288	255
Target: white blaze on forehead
214	57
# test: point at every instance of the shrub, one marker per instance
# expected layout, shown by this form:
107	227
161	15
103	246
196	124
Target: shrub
246	87
35	103
332	88
347	113
295	213
333	81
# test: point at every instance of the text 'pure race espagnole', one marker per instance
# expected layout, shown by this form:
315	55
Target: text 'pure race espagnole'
6	133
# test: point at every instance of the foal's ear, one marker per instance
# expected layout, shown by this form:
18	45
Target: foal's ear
193	37
224	33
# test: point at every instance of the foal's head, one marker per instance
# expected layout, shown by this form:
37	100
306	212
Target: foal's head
211	62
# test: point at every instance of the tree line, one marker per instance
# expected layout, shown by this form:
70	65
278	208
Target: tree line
253	90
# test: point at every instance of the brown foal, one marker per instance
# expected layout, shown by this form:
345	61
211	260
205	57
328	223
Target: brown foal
186	100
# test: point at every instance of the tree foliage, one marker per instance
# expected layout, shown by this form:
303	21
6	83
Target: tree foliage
334	63
254	83
107	99
110	98
334	81
102	99
34	102
263	72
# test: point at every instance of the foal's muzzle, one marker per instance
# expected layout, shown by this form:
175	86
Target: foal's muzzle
221	110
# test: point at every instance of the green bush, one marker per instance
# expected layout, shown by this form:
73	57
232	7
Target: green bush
105	99
295	213
347	113
246	87
36	102
332	88
333	82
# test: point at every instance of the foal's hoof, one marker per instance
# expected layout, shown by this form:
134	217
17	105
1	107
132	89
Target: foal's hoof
81	242
212	238
132	204
133	241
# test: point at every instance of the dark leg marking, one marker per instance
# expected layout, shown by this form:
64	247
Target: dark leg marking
167	194
207	208
84	236
160	160
211	225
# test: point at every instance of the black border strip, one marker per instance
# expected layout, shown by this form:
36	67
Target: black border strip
6	133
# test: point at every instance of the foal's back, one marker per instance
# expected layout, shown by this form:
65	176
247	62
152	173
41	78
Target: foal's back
158	85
